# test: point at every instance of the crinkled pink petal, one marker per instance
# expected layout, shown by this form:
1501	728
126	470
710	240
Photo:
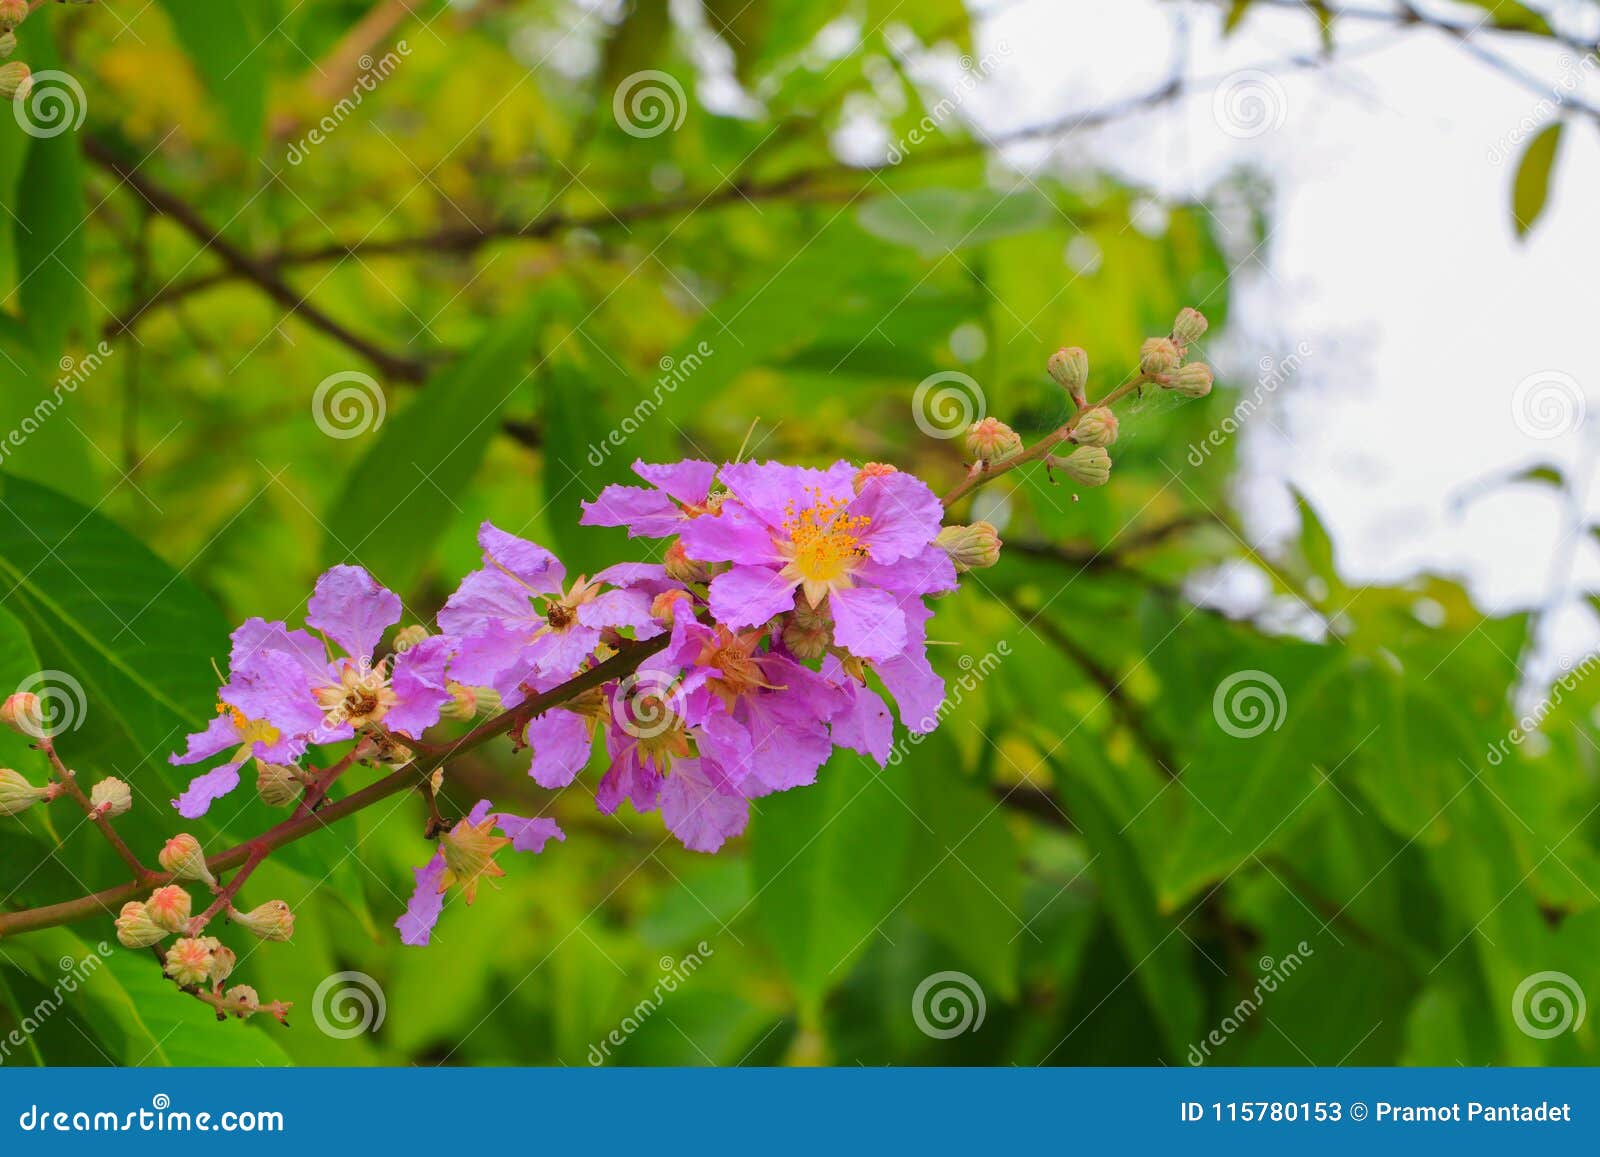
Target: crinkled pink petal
528	835
539	570
748	596
649	576
697	812
903	515
688	481
491	656
427	901
927	572
788	743
772	490
909	677
219	735
733	535
205	789
563	652
352	609
561	747
621	608
646	513
485	596
628	778
419	685
273	687
861	720
868	622
256	635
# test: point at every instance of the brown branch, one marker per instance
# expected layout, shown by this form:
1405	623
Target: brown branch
301	825
69	782
253	269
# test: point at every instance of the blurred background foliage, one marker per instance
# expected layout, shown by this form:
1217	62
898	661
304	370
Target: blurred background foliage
481	236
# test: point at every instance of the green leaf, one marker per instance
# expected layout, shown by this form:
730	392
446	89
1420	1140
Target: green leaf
829	867
1513	16
400	497
939	221
18	663
742	24
1547	475
13	156
1236	14
230	52
1153	943
966	866
1532	184
1316	549
636	44
107	614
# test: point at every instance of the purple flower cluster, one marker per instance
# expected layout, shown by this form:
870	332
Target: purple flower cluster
782	588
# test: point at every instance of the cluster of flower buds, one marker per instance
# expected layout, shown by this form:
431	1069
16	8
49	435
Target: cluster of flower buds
16	79
1163	359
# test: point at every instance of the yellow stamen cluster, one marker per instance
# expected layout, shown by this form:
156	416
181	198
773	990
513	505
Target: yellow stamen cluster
824	545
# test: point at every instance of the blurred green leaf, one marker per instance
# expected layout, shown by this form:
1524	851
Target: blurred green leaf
937	221
1532	183
231	52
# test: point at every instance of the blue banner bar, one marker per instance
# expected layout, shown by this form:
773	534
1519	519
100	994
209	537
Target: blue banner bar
754	1112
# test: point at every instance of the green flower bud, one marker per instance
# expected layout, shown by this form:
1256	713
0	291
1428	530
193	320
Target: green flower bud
1070	368
241	1000
16	80
408	637
993	441
1096	427
111	797
8	44
276	784
23	714
1189	326
1158	355
17	794
189	961
1192	380
185	859
462	704
223	959
807	631
135	929
169	907
1087	465
12	13
970	547
271	921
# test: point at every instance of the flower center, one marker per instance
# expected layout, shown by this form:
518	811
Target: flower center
251	731
361	696
824	545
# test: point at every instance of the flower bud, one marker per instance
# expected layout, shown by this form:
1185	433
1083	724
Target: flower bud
12	13
1070	368
241	1000
271	921
871	470
278	785
223	959
1192	380
1189	327
489	701
681	567
807	631
135	929
16	80
111	797
462	704
1158	355
1087	465
408	637
169	907
1096	427
970	547
183	857
993	441
8	44
22	713
189	962
17	794
664	607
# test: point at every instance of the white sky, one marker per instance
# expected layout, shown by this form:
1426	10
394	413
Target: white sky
1392	256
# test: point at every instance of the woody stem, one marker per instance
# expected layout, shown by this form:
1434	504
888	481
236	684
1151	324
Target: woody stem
298	826
69	783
